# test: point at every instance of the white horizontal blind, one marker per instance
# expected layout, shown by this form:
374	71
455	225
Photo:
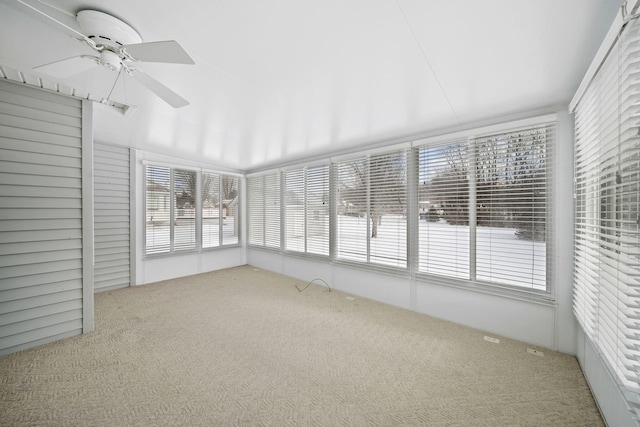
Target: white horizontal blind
211	210
158	209
184	213
511	207
307	210
294	208
256	210
272	210
352	217
371	209
443	210
388	209
264	210
317	210
230	193
607	243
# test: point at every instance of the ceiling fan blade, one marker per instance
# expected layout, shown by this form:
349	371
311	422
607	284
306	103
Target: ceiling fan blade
169	96
62	21
168	51
68	67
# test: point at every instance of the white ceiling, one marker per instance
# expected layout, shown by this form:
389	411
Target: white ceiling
280	80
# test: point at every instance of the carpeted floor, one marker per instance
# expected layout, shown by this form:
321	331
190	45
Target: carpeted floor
243	347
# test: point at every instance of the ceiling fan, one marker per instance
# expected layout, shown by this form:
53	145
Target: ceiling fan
117	46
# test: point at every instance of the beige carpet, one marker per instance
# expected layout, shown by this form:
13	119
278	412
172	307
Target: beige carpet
243	347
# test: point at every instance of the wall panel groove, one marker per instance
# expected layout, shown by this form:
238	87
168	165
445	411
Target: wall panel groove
40	217
111	183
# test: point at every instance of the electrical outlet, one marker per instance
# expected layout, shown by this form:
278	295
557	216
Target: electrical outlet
492	339
535	352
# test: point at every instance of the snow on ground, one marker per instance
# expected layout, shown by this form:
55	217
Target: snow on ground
443	249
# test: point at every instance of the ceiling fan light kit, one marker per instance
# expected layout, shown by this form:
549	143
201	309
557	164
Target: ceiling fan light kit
117	45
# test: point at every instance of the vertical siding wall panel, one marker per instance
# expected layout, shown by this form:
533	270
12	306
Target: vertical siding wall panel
40	217
111	217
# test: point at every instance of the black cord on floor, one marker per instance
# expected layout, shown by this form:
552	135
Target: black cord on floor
310	282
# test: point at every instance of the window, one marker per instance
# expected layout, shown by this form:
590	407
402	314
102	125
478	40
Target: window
212	219
180	202
511	208
443	210
158	209
352	218
219	210
483	208
229	194
264	210
184	211
307	210
477	210
170	210
607	208
371	209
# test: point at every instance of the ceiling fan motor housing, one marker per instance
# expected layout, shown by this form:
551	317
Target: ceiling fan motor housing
106	30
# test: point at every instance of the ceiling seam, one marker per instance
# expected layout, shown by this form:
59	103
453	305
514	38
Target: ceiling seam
426	58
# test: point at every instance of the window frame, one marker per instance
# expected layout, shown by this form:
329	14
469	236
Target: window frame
544	296
198	211
308	185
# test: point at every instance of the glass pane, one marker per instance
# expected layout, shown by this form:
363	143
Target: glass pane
317	207
351	207
443	210
230	193
210	210
511	199
388	209
295	210
157	208
184	218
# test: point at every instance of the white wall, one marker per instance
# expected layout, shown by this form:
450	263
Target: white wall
604	387
548	325
172	266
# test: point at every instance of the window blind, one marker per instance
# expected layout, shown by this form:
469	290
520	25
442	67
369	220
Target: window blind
317	210
307	210
511	207
211	210
371	209
352	218
229	193
187	210
272	210
184	220
158	209
264	210
482	208
295	217
607	198
443	210
256	205
388	209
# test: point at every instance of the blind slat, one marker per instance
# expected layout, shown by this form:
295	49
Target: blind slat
607	205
